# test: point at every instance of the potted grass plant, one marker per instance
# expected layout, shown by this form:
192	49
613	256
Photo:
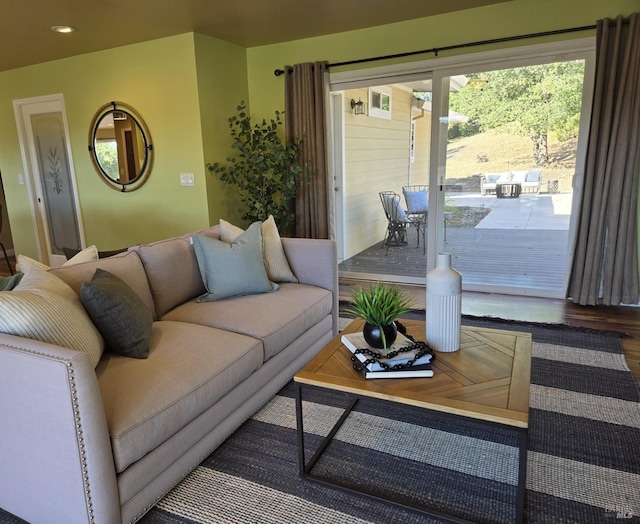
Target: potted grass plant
379	307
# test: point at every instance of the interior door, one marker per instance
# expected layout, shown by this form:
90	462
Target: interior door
48	165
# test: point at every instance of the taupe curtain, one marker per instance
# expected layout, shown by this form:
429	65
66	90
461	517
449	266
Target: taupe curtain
605	261
306	94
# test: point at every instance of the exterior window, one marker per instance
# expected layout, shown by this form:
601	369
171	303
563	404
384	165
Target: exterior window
380	102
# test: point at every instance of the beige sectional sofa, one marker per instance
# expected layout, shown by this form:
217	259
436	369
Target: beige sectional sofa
103	445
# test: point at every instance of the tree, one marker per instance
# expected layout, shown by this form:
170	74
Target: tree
535	100
107	153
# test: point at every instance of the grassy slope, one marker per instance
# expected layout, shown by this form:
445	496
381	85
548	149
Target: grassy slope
509	152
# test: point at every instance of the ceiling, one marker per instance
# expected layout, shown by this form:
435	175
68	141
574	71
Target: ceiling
25	37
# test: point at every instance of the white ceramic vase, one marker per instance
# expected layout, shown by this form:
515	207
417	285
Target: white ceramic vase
444	305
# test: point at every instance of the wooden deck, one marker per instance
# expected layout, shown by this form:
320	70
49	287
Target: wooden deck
535	260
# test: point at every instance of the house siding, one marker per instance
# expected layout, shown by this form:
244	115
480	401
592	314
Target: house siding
376	159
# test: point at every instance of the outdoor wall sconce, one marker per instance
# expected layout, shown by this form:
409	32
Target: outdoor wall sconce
358	107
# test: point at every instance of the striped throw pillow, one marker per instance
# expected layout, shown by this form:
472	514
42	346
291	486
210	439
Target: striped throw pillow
42	307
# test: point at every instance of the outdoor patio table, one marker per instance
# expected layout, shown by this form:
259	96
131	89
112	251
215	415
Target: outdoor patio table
508	190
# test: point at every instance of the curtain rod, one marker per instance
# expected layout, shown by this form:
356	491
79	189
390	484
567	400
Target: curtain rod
436	50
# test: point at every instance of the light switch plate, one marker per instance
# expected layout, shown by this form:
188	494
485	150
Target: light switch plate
186	179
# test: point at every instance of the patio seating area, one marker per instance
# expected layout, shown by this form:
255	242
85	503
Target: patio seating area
521	243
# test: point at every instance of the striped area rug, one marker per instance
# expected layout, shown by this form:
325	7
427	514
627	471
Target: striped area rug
583	453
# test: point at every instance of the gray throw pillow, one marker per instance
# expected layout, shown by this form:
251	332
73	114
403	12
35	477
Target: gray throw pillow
417	201
121	316
234	269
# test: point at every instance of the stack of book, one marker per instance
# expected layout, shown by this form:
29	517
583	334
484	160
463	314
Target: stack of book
420	368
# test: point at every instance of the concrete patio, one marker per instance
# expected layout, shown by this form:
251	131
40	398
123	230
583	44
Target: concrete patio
529	211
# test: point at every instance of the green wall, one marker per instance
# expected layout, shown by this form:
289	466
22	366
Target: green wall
516	17
222	84
160	80
187	86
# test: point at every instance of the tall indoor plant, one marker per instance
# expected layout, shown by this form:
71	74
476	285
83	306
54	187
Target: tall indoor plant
379	307
265	169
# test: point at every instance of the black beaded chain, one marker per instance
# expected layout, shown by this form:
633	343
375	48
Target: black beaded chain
420	347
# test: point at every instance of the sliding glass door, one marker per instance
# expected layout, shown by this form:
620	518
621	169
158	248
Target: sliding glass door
497	144
507	153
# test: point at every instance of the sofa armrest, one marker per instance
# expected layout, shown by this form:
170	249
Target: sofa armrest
57	464
315	262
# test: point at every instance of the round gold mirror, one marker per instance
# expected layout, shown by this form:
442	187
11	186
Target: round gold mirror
120	146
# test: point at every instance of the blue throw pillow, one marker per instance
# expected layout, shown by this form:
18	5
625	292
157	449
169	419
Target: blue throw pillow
234	269
393	203
417	201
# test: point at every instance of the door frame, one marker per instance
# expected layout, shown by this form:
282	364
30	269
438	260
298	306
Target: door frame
585	50
336	155
34	188
439	69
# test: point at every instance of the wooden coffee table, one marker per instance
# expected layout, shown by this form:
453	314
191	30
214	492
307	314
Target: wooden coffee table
486	380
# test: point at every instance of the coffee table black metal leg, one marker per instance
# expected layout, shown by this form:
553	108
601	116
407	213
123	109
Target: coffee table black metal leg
304	467
300	429
522	474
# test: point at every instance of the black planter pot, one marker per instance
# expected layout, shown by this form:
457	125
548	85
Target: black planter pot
373	335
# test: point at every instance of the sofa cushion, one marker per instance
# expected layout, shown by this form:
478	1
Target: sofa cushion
172	270
275	259
42	307
234	269
70	252
126	266
504	178
189	368
276	318
492	178
119	314
518	177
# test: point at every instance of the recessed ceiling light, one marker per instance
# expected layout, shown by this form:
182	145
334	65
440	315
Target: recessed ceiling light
62	29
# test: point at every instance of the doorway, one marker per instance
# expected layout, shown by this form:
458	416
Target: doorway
508	172
520	244
50	176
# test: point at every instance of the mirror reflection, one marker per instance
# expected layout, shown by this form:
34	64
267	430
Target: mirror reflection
120	146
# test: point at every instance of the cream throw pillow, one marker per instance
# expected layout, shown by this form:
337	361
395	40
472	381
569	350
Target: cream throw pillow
275	259
24	263
43	307
86	255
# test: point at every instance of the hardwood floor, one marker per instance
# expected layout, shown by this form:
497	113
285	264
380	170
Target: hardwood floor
623	319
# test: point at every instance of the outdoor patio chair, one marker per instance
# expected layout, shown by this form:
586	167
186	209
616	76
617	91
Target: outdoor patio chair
397	221
417	199
532	181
